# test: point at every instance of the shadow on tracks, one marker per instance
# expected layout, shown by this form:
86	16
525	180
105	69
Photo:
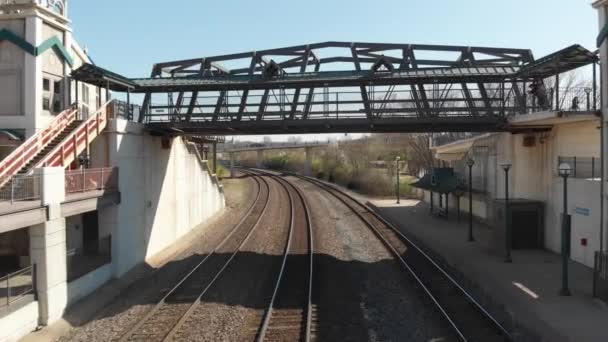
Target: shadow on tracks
338	288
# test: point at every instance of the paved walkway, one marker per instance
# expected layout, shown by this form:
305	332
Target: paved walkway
528	288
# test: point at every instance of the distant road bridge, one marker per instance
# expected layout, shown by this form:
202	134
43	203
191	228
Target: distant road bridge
349	87
260	148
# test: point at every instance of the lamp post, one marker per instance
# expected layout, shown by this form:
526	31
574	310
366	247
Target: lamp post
470	163
397	159
564	171
588	93
506	167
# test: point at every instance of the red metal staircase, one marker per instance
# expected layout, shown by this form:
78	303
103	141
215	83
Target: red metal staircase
34	147
58	145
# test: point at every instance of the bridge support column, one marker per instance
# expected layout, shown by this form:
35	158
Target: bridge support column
308	161
48	246
259	161
231	165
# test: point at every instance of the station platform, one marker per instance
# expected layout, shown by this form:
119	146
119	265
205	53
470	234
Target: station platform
527	289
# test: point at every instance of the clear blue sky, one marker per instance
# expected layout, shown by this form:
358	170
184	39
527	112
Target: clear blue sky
128	36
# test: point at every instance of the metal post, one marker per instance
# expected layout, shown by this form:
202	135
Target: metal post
13	189
565	291
447	204
107	91
588	101
594	86
525	98
458	208
471	238
8	290
431	202
215	157
508	234
77	93
398	184
557	91
129	111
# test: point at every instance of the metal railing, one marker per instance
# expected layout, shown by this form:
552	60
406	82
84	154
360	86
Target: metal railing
126	111
583	167
20	188
15	286
576	99
600	275
91	179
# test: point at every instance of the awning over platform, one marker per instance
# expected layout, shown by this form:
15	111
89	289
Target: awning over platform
10	138
440	180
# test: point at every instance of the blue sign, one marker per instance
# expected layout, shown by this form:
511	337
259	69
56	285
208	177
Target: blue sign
582	211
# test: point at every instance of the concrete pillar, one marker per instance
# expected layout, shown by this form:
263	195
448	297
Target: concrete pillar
232	165
48	249
32	78
259	160
308	162
602	9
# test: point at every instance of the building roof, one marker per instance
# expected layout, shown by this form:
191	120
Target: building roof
101	77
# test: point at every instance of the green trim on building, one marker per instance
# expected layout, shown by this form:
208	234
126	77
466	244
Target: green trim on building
52	42
20	42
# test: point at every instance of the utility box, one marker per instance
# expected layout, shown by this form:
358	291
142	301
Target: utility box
526	218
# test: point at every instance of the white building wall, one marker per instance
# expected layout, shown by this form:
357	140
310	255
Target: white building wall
164	194
603	20
533	176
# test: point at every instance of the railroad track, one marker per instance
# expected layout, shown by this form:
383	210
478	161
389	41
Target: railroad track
470	321
165	318
290	313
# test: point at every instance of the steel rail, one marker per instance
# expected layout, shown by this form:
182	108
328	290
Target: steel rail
133	330
268	314
341	195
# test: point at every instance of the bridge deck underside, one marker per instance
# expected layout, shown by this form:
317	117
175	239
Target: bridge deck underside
266	127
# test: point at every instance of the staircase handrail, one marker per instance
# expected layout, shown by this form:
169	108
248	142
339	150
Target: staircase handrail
56	157
12	163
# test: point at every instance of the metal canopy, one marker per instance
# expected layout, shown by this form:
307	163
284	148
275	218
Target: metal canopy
570	58
101	77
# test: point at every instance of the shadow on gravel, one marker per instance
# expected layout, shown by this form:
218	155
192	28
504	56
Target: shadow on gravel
339	290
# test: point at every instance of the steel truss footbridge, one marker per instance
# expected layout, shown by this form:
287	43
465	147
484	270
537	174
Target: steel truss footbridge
345	87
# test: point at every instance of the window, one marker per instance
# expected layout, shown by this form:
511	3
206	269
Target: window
52	95
57	106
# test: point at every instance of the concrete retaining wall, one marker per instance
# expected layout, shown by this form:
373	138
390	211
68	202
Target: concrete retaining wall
166	191
19	323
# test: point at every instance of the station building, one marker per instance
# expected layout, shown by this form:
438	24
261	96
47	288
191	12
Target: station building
86	194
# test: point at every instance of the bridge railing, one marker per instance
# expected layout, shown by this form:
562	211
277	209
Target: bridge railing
32	146
77	141
84	180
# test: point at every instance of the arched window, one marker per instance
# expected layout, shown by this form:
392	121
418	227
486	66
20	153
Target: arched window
56	6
